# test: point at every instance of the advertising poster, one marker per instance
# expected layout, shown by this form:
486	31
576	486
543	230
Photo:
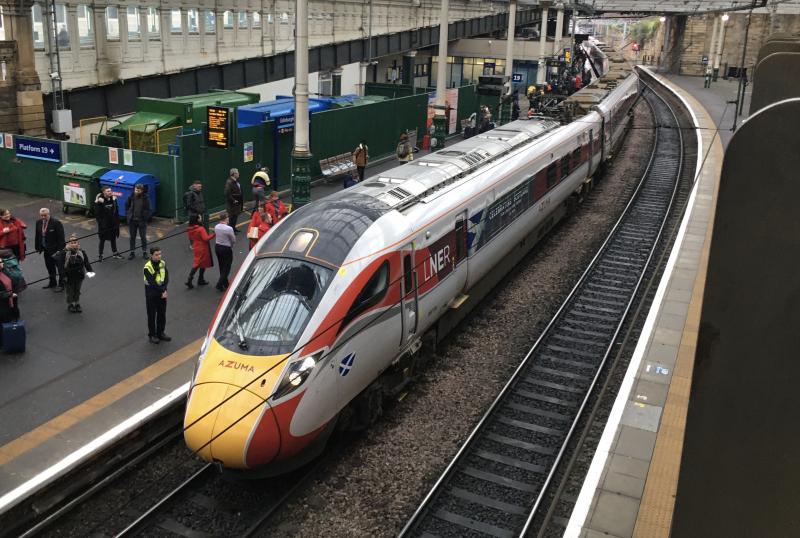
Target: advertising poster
431	102
9	139
113	155
127	157
74	194
451	103
2	140
248	152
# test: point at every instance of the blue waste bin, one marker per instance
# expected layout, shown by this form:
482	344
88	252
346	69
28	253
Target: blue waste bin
122	183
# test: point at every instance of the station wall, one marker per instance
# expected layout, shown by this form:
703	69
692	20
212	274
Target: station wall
101	41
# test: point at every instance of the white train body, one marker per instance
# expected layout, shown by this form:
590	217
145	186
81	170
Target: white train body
343	288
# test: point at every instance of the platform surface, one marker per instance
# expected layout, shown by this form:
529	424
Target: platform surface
631	484
86	375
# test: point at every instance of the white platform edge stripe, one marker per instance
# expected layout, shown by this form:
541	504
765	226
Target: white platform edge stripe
578	518
15	496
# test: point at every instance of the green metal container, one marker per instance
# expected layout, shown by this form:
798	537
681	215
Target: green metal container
80	184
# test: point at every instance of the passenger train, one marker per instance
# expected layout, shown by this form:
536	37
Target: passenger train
328	311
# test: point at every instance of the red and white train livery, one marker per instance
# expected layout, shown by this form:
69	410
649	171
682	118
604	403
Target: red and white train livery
328	309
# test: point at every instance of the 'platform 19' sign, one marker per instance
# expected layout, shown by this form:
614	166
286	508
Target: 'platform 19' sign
37	148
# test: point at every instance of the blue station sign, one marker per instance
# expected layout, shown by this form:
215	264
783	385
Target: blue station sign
36	148
516	77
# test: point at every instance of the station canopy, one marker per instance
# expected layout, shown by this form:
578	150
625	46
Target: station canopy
686	7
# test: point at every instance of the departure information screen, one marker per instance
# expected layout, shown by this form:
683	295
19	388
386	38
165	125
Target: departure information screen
218	119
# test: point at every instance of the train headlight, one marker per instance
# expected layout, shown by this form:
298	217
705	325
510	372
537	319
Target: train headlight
296	374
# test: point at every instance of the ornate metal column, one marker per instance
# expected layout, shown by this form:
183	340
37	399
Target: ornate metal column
301	153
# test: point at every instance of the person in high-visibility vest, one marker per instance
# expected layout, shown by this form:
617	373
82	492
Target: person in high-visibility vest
156	279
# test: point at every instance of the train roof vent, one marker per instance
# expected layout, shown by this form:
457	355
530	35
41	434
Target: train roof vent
475	157
450	153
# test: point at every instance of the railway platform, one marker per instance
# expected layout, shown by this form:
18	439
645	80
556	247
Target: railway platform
630	488
86	380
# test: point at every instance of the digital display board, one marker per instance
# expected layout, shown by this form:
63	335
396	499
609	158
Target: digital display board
219	128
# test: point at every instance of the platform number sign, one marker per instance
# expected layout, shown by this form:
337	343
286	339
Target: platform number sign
219	126
516	77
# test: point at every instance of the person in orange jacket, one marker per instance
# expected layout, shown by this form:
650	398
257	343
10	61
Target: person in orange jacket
260	224
276	207
199	238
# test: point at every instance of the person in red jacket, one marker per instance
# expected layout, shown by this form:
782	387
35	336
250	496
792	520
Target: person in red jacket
276	208
260	224
12	234
199	238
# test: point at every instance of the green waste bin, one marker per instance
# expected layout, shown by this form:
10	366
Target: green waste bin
81	184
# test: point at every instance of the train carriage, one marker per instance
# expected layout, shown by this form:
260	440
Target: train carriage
328	310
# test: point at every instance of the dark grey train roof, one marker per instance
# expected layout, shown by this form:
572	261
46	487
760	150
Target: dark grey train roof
338	221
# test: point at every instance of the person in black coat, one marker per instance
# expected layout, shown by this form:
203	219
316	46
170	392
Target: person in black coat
106	210
49	240
137	211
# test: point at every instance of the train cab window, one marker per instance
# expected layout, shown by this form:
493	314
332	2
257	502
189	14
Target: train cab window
552	175
461	240
373	293
272	305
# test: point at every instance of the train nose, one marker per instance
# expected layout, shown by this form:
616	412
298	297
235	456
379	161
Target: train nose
220	421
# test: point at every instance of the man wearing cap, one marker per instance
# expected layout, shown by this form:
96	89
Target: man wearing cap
156	279
49	240
75	266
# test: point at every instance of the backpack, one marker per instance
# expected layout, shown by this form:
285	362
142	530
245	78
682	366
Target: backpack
74	261
187	200
402	150
12	270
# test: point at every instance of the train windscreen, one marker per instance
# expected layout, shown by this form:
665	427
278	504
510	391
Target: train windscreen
272	306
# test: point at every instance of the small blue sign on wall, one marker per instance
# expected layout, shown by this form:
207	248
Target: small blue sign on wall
516	77
36	148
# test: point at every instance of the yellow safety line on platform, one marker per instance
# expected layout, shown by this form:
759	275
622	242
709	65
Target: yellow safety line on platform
657	507
81	412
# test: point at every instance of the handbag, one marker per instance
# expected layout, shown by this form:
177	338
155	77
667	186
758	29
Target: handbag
252	233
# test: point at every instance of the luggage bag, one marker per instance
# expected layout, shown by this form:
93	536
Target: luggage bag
13	337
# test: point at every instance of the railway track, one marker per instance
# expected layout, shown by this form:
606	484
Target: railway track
497	482
206	504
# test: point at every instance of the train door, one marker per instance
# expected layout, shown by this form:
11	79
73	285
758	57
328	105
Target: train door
410	296
461	249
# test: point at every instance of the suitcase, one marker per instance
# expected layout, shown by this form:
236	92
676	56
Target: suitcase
13	337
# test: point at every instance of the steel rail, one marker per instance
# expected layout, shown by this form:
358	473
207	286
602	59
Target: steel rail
571	301
641	308
589	393
156	508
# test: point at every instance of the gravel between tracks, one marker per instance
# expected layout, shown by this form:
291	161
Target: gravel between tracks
374	486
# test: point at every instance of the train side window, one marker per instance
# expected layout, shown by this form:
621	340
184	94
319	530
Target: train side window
461	240
551	175
576	158
374	291
565	169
